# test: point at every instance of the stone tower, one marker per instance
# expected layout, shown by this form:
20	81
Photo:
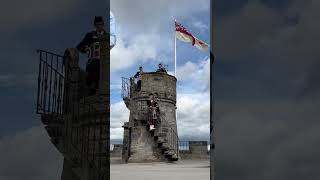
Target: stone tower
140	144
77	124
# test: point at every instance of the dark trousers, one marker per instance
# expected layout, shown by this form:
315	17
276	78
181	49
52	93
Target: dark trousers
93	70
139	85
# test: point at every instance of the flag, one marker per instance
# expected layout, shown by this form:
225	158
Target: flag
185	36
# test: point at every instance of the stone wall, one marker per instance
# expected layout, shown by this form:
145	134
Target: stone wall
141	145
116	151
196	150
126	142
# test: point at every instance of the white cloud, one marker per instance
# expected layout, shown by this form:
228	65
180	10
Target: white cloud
193	115
115	86
195	73
147	33
134	50
29	155
144	15
200	25
118	115
186	71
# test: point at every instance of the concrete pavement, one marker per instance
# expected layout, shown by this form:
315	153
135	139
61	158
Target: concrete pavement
181	170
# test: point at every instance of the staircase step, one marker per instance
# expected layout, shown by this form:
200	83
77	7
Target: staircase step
165	146
156	132
160	134
165	129
161	140
174	157
169	152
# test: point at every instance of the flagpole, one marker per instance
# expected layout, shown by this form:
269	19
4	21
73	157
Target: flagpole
175	74
175	49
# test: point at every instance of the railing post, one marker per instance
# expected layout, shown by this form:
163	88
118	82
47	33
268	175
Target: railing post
39	81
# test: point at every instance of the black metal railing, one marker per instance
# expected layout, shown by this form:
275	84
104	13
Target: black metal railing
143	112
125	89
50	83
171	135
83	121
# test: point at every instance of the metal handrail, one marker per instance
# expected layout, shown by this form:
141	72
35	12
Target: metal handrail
125	89
50	83
172	137
48	52
76	130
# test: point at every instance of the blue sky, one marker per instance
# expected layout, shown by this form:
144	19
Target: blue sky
145	38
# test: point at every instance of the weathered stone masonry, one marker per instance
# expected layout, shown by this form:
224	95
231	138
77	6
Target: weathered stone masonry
139	144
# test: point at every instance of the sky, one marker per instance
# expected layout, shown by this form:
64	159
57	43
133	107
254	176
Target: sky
145	37
266	89
266	80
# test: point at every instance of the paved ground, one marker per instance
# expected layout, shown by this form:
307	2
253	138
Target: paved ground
181	170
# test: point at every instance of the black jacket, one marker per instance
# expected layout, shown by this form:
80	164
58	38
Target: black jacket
138	75
153	104
162	70
88	40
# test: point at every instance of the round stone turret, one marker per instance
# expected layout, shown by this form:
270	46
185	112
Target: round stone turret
143	146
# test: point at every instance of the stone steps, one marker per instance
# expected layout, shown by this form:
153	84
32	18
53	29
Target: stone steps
160	137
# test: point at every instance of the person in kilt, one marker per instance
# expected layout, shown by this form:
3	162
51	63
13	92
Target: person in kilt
154	111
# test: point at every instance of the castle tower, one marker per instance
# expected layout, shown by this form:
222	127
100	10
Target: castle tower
77	124
141	144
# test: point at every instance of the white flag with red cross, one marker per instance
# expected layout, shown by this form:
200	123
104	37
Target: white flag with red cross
185	36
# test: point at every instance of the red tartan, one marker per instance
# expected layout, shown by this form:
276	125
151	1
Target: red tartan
152	121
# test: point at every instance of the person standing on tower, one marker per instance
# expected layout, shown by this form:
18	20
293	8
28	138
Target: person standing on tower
138	77
161	68
91	45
